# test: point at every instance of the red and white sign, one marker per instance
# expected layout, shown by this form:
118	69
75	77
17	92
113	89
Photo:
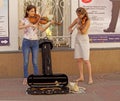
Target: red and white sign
86	1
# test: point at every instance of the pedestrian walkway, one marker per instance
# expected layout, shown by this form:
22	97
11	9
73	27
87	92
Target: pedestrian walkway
106	87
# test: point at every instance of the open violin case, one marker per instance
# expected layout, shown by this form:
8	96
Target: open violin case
47	83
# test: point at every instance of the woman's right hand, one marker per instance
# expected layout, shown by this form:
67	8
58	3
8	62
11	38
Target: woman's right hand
29	25
34	26
52	22
70	30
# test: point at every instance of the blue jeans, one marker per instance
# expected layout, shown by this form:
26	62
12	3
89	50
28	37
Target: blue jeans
27	46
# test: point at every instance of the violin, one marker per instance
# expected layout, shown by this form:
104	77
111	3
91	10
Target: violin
41	20
82	23
84	20
44	20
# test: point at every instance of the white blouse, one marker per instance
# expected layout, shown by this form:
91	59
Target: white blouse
30	32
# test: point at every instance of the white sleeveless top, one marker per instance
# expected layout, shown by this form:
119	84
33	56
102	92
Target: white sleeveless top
81	36
30	33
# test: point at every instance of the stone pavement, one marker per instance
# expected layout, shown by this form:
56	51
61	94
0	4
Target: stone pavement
106	87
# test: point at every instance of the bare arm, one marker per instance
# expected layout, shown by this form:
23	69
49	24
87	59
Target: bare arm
70	28
22	25
48	25
86	27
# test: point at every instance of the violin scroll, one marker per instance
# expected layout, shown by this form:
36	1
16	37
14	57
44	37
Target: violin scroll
84	20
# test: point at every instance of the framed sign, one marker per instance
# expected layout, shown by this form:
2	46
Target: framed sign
104	30
4	22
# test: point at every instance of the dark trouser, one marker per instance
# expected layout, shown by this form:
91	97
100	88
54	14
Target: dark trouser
115	14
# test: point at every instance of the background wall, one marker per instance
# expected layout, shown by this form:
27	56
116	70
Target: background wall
74	6
11	63
13	27
103	61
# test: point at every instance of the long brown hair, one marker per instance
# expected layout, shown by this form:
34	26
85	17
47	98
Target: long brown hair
82	11
29	7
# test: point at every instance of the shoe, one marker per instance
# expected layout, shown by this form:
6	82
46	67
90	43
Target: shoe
108	30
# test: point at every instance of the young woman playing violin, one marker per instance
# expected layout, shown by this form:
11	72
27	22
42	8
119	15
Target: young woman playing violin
82	49
30	40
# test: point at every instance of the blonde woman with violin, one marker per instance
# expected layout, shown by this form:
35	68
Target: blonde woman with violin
82	48
31	27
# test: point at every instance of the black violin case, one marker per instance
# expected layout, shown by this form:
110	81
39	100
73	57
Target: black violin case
47	83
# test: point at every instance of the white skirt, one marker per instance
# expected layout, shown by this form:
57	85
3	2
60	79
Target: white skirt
82	47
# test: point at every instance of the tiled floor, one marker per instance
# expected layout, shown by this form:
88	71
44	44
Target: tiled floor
106	87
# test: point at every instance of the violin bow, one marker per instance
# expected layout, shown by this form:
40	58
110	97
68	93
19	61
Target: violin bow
73	29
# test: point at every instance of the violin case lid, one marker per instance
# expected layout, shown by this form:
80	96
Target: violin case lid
54	80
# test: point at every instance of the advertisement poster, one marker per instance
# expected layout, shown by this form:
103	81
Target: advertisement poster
4	28
105	21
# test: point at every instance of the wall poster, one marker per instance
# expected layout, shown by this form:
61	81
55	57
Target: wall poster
105	22
4	23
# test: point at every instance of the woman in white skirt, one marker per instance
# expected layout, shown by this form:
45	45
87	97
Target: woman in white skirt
82	48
